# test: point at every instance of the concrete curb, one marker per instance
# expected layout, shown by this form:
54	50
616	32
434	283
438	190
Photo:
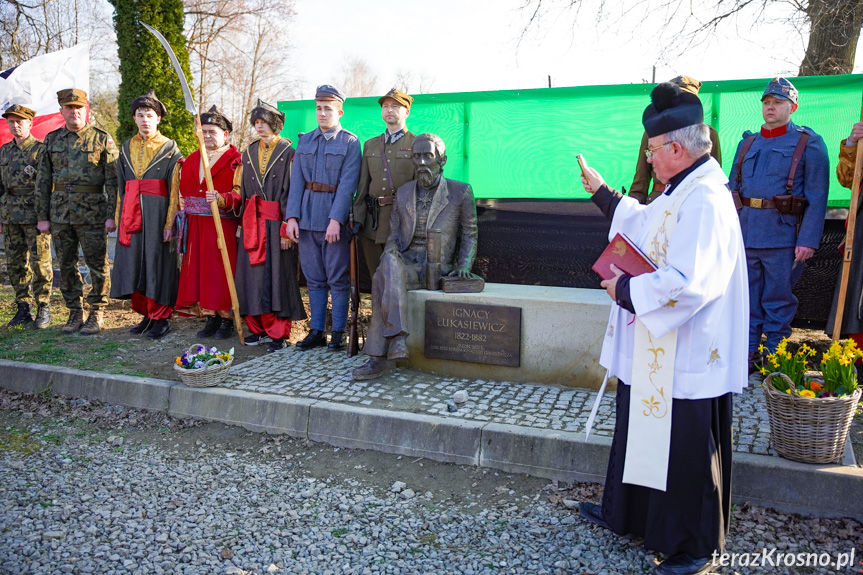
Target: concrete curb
763	480
411	434
552	454
254	411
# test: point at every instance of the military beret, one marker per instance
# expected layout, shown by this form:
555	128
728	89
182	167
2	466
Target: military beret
72	97
149	100
687	84
671	109
782	89
327	92
20	111
398	96
215	117
269	114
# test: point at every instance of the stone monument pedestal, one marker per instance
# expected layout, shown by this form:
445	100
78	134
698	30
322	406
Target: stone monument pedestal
561	334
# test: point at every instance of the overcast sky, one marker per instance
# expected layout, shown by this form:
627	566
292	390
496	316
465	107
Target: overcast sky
470	45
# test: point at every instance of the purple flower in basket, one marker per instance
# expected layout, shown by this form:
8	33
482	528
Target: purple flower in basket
828	394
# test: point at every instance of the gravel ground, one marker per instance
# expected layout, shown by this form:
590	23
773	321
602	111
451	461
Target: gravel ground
90	488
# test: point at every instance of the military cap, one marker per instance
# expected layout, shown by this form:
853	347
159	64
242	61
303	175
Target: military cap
20	111
327	92
687	84
72	97
398	96
269	114
782	89
149	100
671	109
215	117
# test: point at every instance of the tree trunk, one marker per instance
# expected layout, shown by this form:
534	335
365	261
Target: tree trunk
834	30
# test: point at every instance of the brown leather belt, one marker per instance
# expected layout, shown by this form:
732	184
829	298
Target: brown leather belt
77	189
385	200
319	187
20	191
758	203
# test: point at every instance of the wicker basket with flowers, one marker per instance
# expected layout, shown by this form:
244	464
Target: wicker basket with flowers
202	366
810	412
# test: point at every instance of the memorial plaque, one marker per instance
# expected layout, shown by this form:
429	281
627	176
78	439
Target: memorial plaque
473	332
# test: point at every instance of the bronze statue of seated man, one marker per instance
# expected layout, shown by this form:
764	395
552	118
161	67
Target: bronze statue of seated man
433	234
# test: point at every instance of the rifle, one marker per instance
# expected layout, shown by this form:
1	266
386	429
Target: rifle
353	323
849	241
202	149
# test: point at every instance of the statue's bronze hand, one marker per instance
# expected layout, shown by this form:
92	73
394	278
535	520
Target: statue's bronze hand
460	273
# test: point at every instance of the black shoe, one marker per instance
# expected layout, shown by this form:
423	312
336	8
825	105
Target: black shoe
337	341
145	324
755	362
159	329
593	513
211	327
684	564
316	338
43	316
256	339
276	345
24	316
226	328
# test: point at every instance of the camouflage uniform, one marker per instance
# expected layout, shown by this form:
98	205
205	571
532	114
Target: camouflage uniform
19	164
78	187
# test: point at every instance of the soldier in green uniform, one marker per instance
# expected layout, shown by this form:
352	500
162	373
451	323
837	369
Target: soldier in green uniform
78	188
19	165
386	165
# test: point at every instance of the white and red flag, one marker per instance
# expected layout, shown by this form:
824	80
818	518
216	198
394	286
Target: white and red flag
35	84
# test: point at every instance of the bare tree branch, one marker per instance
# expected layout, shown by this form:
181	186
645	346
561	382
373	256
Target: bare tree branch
834	25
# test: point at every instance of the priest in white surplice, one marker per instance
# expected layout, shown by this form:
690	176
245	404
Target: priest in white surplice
677	342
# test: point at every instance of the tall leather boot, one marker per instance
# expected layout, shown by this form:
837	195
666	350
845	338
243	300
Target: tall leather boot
226	328
211	327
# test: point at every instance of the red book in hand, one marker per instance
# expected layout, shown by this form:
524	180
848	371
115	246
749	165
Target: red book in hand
623	253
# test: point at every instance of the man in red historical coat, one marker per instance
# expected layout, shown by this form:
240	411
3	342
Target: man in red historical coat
203	287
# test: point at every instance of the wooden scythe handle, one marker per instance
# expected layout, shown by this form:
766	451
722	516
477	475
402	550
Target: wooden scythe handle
220	234
849	241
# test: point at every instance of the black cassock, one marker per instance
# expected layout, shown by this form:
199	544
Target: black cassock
693	514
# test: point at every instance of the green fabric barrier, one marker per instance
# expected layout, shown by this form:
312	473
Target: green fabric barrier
522	143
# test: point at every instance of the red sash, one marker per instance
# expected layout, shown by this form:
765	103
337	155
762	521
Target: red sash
255	215
130	219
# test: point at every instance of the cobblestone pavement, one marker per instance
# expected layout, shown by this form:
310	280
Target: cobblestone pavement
321	374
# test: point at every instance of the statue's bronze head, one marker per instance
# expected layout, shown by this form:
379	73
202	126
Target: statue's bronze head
429	157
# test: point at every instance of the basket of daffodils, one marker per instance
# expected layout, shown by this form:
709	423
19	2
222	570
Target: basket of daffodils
810	412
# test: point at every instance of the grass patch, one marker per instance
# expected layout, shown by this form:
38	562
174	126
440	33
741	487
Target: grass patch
340	532
44	353
15	439
54	438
